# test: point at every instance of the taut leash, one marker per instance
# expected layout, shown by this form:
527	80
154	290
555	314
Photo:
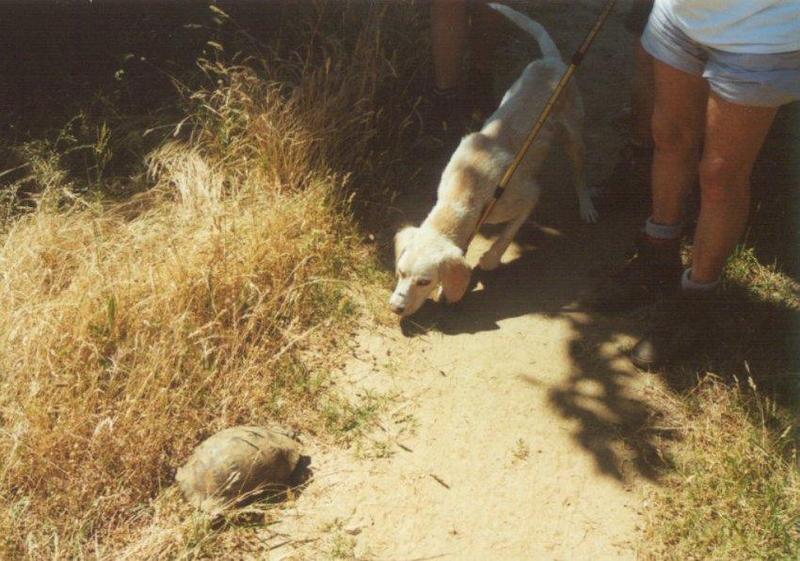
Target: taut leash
577	58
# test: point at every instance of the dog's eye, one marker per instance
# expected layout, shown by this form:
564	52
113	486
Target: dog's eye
423	282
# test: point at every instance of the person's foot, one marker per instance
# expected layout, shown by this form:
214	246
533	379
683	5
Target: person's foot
444	116
653	269
683	326
628	184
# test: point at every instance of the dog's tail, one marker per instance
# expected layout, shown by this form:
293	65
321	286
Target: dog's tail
546	45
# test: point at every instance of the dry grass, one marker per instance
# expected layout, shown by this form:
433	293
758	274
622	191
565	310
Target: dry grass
766	283
731	490
734	491
132	329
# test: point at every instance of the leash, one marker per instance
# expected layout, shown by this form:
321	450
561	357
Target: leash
576	60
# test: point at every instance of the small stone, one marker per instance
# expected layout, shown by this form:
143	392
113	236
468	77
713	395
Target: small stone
237	464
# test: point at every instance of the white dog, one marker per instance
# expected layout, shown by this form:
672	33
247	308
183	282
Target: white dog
432	254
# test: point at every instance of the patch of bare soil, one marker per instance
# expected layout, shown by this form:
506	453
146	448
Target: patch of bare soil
518	430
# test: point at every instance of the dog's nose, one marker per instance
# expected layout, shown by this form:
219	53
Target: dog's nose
397	309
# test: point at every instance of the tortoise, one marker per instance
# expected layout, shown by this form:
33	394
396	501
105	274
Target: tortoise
237	465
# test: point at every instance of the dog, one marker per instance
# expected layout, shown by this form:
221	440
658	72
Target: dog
432	254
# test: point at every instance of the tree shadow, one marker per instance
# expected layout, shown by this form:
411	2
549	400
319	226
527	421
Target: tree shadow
754	339
556	267
618	412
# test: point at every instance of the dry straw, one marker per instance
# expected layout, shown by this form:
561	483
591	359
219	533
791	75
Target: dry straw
131	330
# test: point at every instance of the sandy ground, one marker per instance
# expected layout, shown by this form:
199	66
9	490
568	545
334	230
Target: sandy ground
516	429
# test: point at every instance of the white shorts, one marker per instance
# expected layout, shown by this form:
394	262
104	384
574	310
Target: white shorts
764	80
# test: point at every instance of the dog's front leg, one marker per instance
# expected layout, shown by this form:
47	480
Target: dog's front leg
491	259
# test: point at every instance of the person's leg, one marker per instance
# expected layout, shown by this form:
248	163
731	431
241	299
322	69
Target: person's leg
733	138
484	40
734	134
444	113
449	29
678	119
677	124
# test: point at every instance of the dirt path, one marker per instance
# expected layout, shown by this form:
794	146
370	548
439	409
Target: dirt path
517	431
526	438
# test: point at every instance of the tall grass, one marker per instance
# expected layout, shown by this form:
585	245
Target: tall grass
132	329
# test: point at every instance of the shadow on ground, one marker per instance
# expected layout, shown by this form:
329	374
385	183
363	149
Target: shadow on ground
756	334
619	428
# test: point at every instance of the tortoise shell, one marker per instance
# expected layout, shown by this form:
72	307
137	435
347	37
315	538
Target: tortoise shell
237	464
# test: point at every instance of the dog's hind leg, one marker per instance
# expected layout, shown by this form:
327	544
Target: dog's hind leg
491	259
577	150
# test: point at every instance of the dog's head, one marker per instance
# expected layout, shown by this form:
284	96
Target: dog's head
424	259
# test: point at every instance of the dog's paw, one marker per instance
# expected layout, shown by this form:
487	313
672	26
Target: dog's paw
589	212
489	261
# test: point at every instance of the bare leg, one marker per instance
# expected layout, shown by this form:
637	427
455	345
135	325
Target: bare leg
485	37
678	117
734	136
491	259
449	27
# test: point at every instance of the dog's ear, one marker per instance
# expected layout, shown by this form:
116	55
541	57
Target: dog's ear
401	241
455	275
